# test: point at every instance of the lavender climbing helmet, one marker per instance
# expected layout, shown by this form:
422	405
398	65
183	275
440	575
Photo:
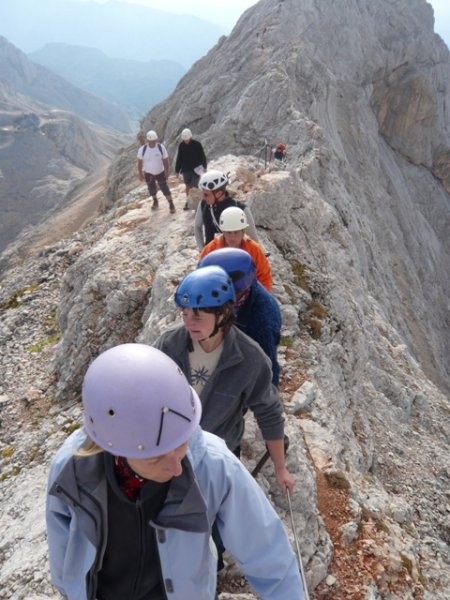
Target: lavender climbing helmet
138	403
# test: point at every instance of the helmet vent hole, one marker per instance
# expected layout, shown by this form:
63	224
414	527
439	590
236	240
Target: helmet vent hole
215	294
111	412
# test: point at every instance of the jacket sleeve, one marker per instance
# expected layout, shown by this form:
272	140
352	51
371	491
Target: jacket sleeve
203	157
58	527
264	400
160	345
178	161
263	270
70	554
254	534
198	227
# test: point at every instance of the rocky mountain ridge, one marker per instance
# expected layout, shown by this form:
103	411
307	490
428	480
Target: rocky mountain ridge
133	85
45	149
359	93
25	78
372	498
357	228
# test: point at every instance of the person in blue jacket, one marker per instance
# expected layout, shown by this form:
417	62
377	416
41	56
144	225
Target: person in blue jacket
133	494
257	311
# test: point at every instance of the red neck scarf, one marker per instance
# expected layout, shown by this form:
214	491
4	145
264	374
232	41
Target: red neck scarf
129	481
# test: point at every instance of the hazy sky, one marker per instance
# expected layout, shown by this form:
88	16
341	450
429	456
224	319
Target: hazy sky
227	12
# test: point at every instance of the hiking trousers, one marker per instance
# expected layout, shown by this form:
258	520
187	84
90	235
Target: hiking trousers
160	179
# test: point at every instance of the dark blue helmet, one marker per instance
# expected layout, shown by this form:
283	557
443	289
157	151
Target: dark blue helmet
238	263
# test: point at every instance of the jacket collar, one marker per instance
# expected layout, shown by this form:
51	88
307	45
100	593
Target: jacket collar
184	508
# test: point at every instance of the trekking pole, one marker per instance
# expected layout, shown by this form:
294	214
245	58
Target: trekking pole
299	556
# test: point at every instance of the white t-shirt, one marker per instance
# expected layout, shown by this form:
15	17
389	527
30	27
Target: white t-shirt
152	159
202	365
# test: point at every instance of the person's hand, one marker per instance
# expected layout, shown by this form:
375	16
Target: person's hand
285	480
140	177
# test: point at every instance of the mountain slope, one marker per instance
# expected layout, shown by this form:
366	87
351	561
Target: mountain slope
135	86
363	111
357	230
44	149
25	78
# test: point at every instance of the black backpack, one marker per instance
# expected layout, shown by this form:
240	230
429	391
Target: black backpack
159	148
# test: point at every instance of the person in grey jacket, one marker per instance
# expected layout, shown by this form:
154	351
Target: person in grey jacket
132	495
229	370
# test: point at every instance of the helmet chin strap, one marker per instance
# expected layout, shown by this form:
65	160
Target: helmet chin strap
219	191
217	326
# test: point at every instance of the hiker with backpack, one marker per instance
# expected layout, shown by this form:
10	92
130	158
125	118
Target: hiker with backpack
257	313
233	225
190	162
153	168
216	198
133	493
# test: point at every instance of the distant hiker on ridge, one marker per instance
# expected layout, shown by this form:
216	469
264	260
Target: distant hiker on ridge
190	162
279	152
216	199
153	168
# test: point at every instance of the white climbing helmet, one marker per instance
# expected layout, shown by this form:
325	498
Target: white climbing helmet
233	219
213	180
186	134
152	135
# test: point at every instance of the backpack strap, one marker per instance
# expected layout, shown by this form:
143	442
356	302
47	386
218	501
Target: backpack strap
159	148
214	220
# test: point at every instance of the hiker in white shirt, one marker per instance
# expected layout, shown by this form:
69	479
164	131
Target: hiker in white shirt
153	168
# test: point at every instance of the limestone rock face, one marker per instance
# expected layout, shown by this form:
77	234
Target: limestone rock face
357	226
43	86
44	147
358	91
307	67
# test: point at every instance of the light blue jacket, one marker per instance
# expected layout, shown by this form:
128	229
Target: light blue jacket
220	488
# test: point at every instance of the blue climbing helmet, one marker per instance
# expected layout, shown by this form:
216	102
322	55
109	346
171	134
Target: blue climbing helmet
206	287
238	263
